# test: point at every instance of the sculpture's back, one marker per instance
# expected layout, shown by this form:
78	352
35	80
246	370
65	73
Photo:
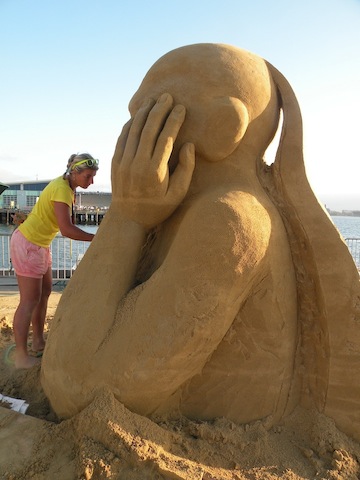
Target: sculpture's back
327	281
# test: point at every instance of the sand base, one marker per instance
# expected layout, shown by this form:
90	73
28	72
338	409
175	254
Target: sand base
107	441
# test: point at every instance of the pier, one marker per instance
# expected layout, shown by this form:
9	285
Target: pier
83	216
89	217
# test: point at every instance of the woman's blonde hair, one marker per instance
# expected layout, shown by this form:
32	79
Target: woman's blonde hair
78	157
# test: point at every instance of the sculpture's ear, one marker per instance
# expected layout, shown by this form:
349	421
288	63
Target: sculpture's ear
222	124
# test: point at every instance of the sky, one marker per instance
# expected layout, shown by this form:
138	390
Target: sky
70	67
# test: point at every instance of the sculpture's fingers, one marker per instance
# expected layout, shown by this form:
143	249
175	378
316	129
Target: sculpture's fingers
121	142
135	132
181	178
117	157
152	131
166	140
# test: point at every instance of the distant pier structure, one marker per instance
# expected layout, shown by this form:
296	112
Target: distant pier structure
89	209
89	217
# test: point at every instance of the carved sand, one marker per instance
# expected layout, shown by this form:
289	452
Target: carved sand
226	293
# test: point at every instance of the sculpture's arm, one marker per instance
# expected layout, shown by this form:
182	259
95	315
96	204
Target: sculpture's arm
143	195
168	327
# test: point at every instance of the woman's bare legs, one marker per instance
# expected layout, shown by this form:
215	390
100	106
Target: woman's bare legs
39	314
34	294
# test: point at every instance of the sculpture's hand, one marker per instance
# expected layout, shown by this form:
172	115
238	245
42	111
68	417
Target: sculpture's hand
141	183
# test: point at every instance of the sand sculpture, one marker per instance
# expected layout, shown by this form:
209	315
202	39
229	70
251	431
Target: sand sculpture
216	286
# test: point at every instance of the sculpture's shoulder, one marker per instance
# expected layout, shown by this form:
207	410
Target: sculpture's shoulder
231	208
230	202
235	220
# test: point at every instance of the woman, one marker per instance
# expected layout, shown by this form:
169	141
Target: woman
30	252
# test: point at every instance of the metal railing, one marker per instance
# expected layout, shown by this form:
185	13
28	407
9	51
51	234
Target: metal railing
5	264
66	255
354	248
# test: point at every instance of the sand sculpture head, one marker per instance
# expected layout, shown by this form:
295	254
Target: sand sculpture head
222	104
242	302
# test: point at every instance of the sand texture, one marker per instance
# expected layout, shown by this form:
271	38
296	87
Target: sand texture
107	441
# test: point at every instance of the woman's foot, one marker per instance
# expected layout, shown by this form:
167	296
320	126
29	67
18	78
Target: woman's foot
25	361
37	347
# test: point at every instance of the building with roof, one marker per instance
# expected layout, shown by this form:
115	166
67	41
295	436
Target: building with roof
24	195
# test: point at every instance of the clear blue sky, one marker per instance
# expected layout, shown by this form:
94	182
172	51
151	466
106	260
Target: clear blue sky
70	67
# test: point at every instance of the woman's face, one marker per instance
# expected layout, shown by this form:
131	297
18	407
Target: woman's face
84	178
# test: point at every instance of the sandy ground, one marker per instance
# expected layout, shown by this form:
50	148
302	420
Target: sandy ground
107	441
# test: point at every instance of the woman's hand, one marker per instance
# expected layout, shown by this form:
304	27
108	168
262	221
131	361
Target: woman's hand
141	183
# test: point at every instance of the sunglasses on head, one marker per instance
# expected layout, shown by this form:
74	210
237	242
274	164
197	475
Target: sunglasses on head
90	162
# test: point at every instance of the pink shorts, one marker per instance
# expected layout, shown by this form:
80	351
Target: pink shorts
28	259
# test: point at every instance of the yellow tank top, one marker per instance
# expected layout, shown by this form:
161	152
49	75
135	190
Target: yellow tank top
41	225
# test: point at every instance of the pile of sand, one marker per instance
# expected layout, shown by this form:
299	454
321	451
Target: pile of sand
107	441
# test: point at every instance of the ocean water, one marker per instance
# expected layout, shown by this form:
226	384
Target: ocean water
8	229
349	227
65	254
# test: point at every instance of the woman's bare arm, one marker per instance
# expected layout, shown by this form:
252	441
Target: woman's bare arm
67	228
